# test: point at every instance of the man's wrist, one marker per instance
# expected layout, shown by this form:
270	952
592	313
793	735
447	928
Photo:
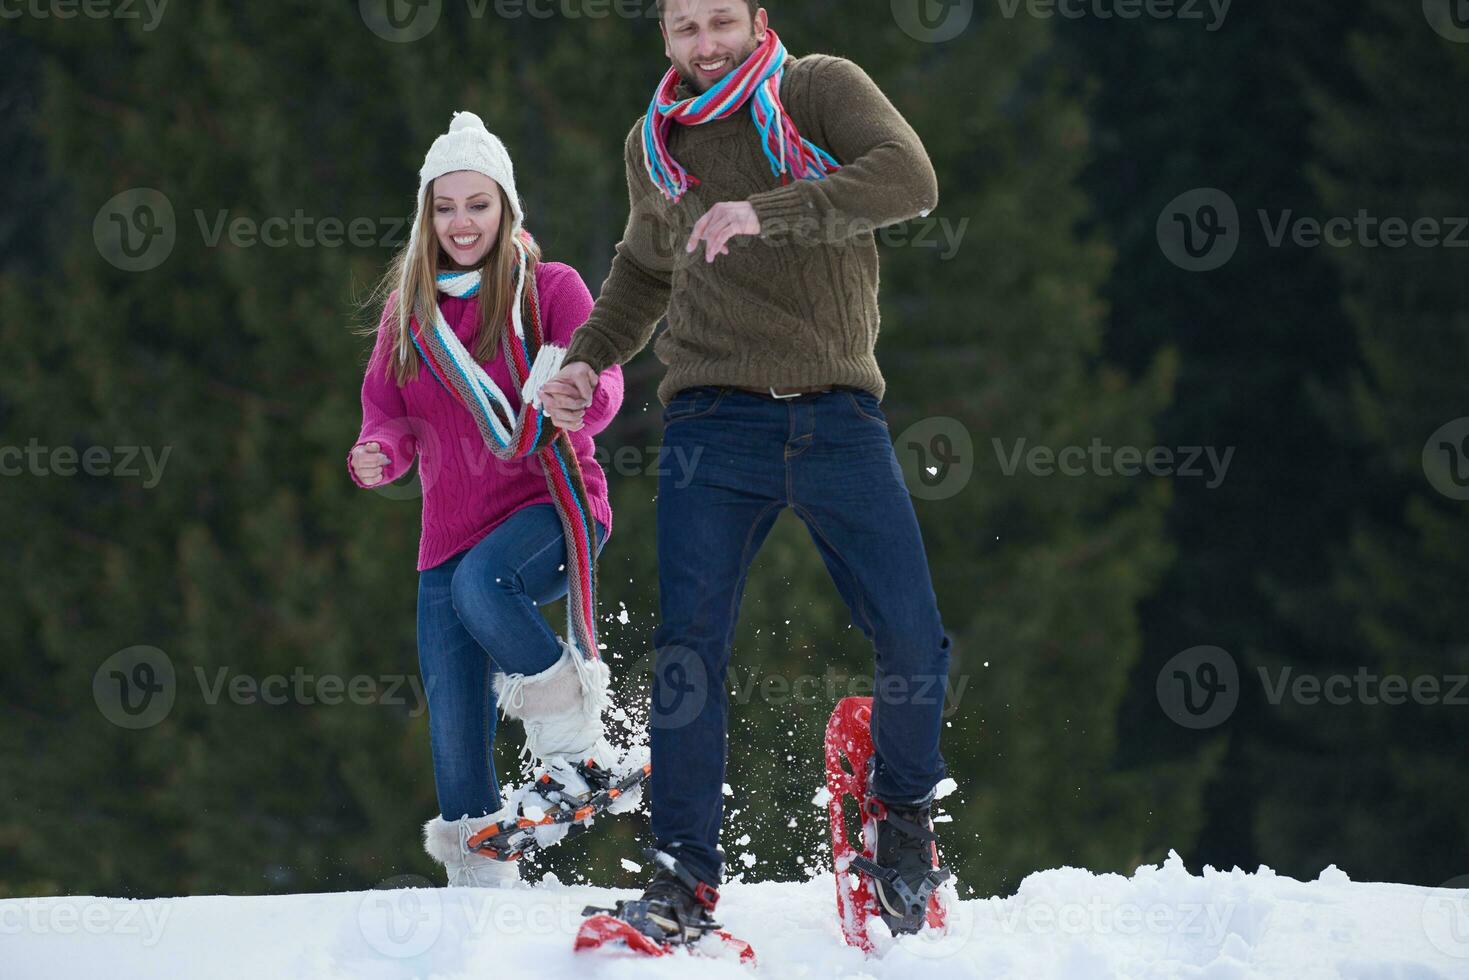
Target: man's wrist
585	350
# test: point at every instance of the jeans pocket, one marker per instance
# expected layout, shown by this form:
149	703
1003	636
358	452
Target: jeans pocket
693	403
866	405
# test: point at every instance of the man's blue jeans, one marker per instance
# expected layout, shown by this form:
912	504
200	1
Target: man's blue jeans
477	616
731	461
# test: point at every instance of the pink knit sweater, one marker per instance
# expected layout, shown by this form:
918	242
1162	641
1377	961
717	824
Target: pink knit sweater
467	490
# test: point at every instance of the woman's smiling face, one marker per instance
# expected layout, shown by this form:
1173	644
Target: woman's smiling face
467	208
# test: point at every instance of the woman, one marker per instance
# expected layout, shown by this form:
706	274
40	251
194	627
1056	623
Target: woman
515	508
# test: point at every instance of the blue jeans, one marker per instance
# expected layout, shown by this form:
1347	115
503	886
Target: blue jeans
731	462
477	615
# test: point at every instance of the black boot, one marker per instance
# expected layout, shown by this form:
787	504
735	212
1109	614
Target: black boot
676	907
907	867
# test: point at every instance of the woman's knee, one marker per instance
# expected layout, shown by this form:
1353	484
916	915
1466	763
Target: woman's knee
481	583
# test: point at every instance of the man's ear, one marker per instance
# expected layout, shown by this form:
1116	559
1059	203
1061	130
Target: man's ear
667	51
762	23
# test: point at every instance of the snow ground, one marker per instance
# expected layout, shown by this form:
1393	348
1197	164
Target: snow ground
1065	924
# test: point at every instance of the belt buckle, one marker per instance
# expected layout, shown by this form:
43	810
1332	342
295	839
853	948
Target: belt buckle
794	394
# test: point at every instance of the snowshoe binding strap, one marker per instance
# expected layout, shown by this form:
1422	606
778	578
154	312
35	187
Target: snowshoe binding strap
509	839
665	912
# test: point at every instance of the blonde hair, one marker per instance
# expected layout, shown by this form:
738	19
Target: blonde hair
421	257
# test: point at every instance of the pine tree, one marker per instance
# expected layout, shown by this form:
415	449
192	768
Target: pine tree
1384	779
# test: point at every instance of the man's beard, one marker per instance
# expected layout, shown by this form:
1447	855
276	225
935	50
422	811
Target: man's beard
691	77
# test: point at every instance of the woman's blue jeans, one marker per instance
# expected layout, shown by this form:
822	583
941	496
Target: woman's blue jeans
477	615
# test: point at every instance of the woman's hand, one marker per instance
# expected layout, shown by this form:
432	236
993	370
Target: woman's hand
368	462
567	395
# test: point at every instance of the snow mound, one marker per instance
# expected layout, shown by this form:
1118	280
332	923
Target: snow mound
1066	924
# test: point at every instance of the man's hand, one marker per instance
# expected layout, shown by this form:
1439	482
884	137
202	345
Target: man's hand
721	223
567	395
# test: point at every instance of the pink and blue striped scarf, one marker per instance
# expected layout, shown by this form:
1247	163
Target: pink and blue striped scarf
513	434
756	81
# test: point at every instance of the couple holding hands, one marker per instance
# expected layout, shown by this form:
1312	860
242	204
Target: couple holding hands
755	181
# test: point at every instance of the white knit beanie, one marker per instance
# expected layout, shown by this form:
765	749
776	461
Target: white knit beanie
469	146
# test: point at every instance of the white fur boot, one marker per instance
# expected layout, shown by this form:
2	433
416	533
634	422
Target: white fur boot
447	841
561	709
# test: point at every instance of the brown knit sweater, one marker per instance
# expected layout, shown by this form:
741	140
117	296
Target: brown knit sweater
795	305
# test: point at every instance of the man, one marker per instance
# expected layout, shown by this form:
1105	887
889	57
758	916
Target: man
753	196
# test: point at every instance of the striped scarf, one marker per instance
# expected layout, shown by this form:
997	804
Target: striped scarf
756	81
513	435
